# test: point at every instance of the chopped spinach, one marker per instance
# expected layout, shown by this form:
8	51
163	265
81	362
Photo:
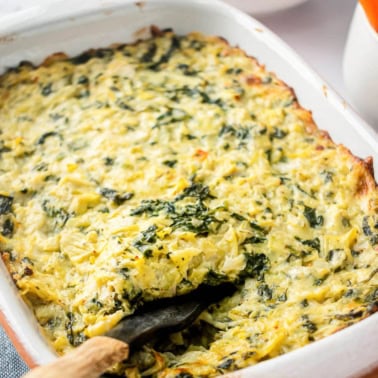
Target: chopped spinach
72	338
256	227
183	374
184	283
51	178
108	161
195	93
5	204
153	207
56	116
213	278
254	240
333	253
117	198
345	222
46	89
277	134
196	44
313	219
175	45
148	56
186	70
194	217
81	59
366	227
3	148
83	80
238	217
147	253
172	115
190	136
117	305
241	133
196	190
133	296
226	363
313	243
265	292
170	163
103	53
122	105
8	228
94	305
308	324
304	303
235	71
125	272
327	176
145	238
374	239
350	315
255	265
43	137
303	191
319	281
372	297
41	167
83	94
59	215
282	297
268	154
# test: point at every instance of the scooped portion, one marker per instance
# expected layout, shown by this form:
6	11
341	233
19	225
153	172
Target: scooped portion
141	171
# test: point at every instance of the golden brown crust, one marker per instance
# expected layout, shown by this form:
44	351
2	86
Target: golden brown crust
56	57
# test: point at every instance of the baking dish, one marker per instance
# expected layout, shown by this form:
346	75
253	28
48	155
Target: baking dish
262	7
37	33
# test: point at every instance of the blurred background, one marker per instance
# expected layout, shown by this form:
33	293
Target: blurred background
316	29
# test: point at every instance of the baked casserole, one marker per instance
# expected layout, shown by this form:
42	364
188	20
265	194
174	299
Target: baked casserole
141	171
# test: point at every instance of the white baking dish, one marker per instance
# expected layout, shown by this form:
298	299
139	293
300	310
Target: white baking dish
72	28
264	6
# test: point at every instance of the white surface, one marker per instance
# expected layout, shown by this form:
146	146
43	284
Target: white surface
316	30
263	6
361	61
344	354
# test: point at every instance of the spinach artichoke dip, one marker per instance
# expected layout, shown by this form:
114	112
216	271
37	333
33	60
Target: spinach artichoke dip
140	171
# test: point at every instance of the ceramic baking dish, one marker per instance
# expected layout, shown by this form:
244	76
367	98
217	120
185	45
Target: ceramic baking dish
72	27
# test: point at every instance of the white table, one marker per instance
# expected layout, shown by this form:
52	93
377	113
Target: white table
317	30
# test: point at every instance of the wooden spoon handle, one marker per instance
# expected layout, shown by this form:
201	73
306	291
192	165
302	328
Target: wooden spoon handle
89	360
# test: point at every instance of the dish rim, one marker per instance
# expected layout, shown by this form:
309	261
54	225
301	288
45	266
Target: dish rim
25	21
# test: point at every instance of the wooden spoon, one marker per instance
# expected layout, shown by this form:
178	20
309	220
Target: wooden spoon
99	353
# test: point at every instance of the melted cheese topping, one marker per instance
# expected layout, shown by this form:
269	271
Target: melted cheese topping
141	171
